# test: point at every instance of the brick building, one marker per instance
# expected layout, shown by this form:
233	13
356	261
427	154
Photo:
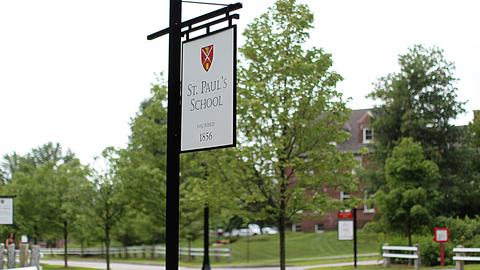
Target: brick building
361	136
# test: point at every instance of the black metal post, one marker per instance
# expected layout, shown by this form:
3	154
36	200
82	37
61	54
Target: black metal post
173	136
206	255
355	236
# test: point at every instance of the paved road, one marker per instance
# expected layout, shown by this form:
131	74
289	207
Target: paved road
130	266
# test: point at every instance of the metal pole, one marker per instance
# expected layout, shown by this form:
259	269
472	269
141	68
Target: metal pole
206	258
173	136
355	236
442	254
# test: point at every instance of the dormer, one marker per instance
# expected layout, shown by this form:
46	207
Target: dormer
364	129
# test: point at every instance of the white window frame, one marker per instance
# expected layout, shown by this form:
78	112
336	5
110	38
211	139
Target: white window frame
360	158
294	227
317	230
365	140
344	195
365	205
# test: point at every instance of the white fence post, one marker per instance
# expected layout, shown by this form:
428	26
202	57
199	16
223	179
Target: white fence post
11	256
35	258
417	262
459	264
386	260
23	255
2	252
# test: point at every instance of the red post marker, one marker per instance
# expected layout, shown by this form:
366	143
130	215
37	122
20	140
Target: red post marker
441	236
442	254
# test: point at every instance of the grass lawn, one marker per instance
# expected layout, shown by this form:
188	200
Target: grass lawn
266	248
301	249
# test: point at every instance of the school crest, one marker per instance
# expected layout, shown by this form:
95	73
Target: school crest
207	57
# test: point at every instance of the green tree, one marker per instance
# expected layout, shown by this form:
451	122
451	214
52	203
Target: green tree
289	117
37	157
66	190
50	194
142	166
420	102
109	201
406	205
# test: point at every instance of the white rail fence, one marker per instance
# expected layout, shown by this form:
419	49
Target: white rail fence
464	254
29	259
141	251
413	253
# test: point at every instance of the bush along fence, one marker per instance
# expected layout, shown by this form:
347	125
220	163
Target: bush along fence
407	253
141	251
23	253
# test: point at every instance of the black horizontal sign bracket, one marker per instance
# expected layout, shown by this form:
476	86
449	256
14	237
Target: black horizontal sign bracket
226	10
207	25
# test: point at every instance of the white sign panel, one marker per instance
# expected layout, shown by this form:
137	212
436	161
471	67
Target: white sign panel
6	211
208	91
345	230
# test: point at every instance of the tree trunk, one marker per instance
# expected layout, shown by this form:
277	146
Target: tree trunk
409	233
65	239
107	244
281	230
153	246
35	228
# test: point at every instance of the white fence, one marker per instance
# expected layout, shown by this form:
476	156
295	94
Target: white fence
414	253
461	256
28	258
142	251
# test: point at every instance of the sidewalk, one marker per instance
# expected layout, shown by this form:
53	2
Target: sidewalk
135	266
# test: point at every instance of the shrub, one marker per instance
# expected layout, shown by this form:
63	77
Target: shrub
430	251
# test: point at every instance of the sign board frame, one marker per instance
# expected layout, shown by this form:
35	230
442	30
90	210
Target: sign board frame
345	230
209	91
345	214
442	235
6	211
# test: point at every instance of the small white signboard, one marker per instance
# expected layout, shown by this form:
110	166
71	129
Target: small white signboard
6	211
345	230
209	91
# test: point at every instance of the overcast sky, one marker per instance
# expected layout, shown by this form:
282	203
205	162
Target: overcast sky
75	72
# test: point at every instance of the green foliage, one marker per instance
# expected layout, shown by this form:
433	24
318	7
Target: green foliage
289	113
142	167
462	231
408	168
420	102
407	206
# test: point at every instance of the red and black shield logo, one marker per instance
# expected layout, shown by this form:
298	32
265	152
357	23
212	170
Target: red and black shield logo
207	57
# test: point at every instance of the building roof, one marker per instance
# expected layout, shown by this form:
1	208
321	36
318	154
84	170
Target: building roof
353	125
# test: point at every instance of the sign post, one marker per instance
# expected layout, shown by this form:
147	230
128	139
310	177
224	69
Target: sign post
174	122
441	236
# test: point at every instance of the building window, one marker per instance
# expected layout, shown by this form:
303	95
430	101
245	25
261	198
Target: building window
297	227
359	159
366	207
344	195
319	228
367	135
